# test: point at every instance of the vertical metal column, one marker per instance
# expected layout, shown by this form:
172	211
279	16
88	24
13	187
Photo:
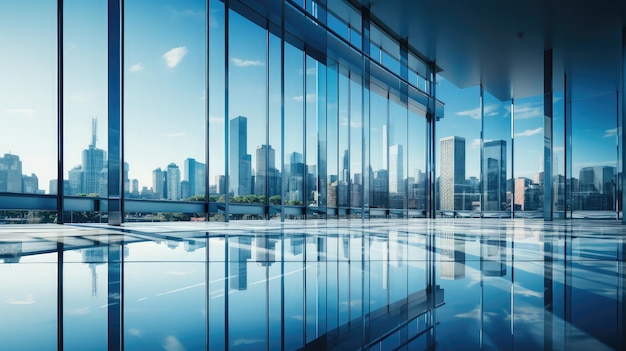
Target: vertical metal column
115	118
567	110
365	137
282	118
226	120
60	182
404	100
547	136
623	129
115	293
60	250
548	292
513	158
483	173
431	118
207	146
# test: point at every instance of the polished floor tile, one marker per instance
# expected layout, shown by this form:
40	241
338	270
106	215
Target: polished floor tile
446	284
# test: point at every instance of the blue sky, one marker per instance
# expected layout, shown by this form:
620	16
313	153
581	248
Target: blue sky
165	60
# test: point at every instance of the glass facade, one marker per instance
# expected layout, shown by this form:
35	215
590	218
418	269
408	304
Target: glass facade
285	110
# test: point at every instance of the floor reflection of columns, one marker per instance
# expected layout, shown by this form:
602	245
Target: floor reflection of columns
115	297
547	292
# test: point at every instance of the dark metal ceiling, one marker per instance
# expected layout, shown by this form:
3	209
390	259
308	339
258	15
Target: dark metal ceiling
500	43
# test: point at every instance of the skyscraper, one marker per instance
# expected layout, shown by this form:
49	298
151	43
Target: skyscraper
266	172
240	161
195	174
93	161
494	175
173	182
452	179
10	173
158	183
396	169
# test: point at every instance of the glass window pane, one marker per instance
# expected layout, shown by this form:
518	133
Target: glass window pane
379	135
528	181
356	142
496	155
594	156
416	155
332	133
457	150
164	106
249	154
293	180
28	96
217	113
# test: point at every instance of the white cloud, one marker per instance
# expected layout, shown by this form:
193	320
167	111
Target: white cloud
526	111
530	132
135	332
246	63
175	135
136	67
188	13
25	112
174	56
610	133
27	301
172	344
309	98
490	111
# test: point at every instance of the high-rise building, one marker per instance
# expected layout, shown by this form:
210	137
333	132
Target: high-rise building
452	179
195	174
266	172
93	161
521	184
10	173
494	175
30	184
158	183
173	182
396	169
240	160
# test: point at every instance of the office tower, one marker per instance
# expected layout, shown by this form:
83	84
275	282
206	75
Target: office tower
158	184
380	184
30	184
195	174
240	160
126	180
173	182
266	172
184	190
345	169
102	182
134	186
396	169
75	175
521	184
494	175
295	182
10	173
220	184
596	186
452	179
93	161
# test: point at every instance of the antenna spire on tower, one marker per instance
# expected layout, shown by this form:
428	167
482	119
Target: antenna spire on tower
94	131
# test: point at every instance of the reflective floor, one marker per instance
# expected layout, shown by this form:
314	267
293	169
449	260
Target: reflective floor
465	284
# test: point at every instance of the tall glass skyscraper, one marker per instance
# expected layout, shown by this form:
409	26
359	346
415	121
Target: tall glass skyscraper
494	175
